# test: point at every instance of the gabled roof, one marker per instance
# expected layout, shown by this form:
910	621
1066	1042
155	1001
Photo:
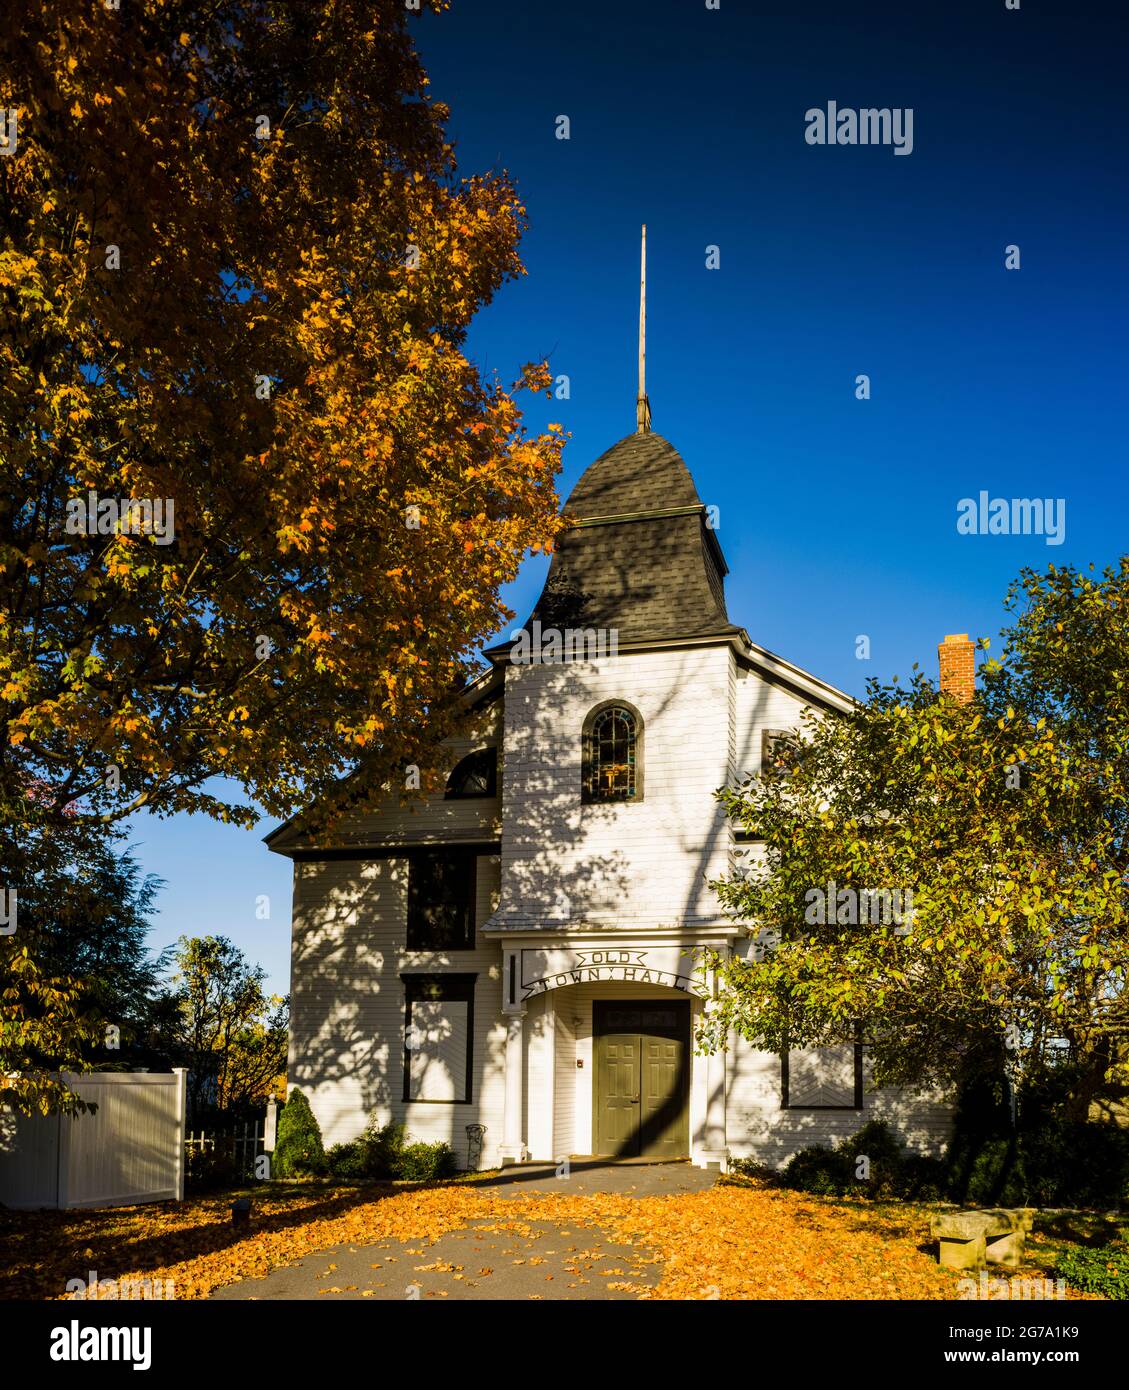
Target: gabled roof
777	671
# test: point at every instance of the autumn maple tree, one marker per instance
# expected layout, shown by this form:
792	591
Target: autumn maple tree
1006	819
237	271
258	502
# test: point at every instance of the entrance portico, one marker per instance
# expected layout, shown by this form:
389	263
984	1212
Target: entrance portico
593	1063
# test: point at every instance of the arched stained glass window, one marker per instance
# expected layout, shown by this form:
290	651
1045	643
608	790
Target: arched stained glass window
613	764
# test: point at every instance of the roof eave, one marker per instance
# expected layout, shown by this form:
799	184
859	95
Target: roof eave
788	673
482	688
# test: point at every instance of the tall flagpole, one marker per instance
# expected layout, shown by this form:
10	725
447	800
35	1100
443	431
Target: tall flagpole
642	404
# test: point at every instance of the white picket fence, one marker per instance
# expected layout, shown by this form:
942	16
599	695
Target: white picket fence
130	1150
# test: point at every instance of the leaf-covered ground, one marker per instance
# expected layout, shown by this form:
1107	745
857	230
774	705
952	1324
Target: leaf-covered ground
741	1240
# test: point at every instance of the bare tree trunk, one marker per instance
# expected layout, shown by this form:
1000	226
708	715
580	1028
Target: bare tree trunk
1090	1081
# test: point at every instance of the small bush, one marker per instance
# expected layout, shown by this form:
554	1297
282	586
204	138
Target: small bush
924	1179
298	1149
1103	1271
1076	1164
347	1162
990	1175
425	1162
893	1170
1055	1163
823	1171
753	1168
885	1154
383	1152
382	1146
1058	1164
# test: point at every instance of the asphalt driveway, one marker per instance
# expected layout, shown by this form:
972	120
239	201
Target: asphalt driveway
538	1260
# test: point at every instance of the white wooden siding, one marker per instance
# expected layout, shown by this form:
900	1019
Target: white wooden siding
397	820
629	864
757	1127
760	706
347	1003
539	1031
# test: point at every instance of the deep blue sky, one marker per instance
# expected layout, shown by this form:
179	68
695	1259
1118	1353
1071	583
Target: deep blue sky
838	517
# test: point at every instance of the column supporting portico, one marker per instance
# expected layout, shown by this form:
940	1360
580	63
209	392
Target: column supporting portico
713	1149
514	1148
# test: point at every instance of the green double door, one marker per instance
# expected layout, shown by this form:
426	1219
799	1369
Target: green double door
641	1100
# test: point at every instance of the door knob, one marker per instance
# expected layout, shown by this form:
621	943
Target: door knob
634	1100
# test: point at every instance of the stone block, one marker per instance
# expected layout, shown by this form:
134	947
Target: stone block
970	1239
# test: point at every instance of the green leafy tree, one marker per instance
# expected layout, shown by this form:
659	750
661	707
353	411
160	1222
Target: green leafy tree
42	1031
1004	818
255	1063
234	1034
80	986
95	925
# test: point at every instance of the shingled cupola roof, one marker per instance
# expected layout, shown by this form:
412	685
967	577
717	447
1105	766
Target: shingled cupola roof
640	558
642	473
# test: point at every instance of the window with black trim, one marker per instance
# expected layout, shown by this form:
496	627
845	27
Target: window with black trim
441	893
822	1078
438	1038
781	751
474	775
613	753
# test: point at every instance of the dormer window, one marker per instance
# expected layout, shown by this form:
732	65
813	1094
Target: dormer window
613	753
475	775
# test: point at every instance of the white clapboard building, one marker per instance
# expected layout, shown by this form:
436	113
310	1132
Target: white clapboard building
520	953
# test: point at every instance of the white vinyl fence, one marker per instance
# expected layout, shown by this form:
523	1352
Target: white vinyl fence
130	1150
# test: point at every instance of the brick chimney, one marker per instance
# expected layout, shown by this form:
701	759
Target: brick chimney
957	655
